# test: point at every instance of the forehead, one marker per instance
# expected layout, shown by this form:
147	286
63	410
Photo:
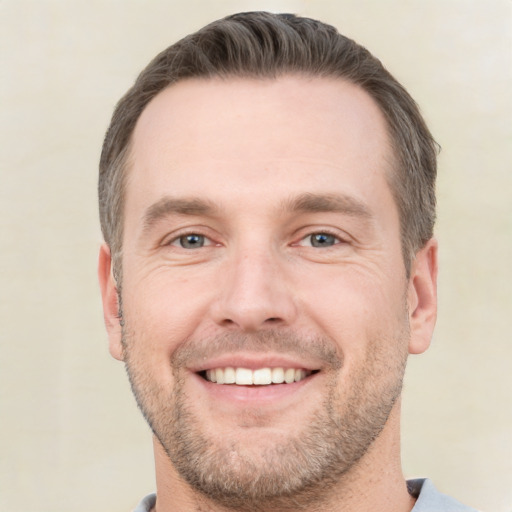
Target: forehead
201	135
195	106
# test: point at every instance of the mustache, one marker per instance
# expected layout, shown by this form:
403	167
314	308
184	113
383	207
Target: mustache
321	349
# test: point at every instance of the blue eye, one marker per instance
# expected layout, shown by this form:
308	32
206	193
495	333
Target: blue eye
322	240
191	241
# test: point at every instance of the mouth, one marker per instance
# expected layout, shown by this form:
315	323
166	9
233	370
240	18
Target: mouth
267	376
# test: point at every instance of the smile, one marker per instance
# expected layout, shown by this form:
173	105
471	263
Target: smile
257	377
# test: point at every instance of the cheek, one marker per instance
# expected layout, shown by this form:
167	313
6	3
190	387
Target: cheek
354	307
161	312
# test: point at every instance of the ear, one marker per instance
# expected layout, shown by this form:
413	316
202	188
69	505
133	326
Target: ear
422	297
110	302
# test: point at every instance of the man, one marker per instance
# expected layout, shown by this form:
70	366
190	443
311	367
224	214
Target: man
267	202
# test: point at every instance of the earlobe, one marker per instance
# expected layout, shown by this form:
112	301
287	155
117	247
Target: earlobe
109	297
422	297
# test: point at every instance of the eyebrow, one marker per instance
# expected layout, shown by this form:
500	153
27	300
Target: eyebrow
177	206
304	203
312	203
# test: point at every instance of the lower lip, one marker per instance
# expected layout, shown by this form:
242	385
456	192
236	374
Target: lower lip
255	395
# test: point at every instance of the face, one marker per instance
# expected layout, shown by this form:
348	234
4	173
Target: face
266	313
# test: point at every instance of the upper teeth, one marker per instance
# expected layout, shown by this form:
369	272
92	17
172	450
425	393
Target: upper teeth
259	377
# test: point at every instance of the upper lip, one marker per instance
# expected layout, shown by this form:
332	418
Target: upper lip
255	361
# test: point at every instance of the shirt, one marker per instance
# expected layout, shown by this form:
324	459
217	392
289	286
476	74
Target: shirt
429	499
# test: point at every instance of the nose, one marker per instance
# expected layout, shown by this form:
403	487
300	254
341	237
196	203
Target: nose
254	294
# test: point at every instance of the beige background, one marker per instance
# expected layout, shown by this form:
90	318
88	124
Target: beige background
71	437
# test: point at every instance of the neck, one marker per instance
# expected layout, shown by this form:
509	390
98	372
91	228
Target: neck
375	483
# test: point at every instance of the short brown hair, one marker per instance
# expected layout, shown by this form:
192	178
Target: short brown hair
265	45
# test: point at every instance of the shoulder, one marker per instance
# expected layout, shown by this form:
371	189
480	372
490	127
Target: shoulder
146	504
429	499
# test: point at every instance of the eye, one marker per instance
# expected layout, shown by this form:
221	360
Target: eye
191	241
320	240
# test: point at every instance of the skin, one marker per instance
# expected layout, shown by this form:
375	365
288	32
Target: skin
257	168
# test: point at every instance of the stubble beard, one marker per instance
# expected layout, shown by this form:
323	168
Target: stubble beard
290	473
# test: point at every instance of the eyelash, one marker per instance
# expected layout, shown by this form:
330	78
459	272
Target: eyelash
177	241
337	238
